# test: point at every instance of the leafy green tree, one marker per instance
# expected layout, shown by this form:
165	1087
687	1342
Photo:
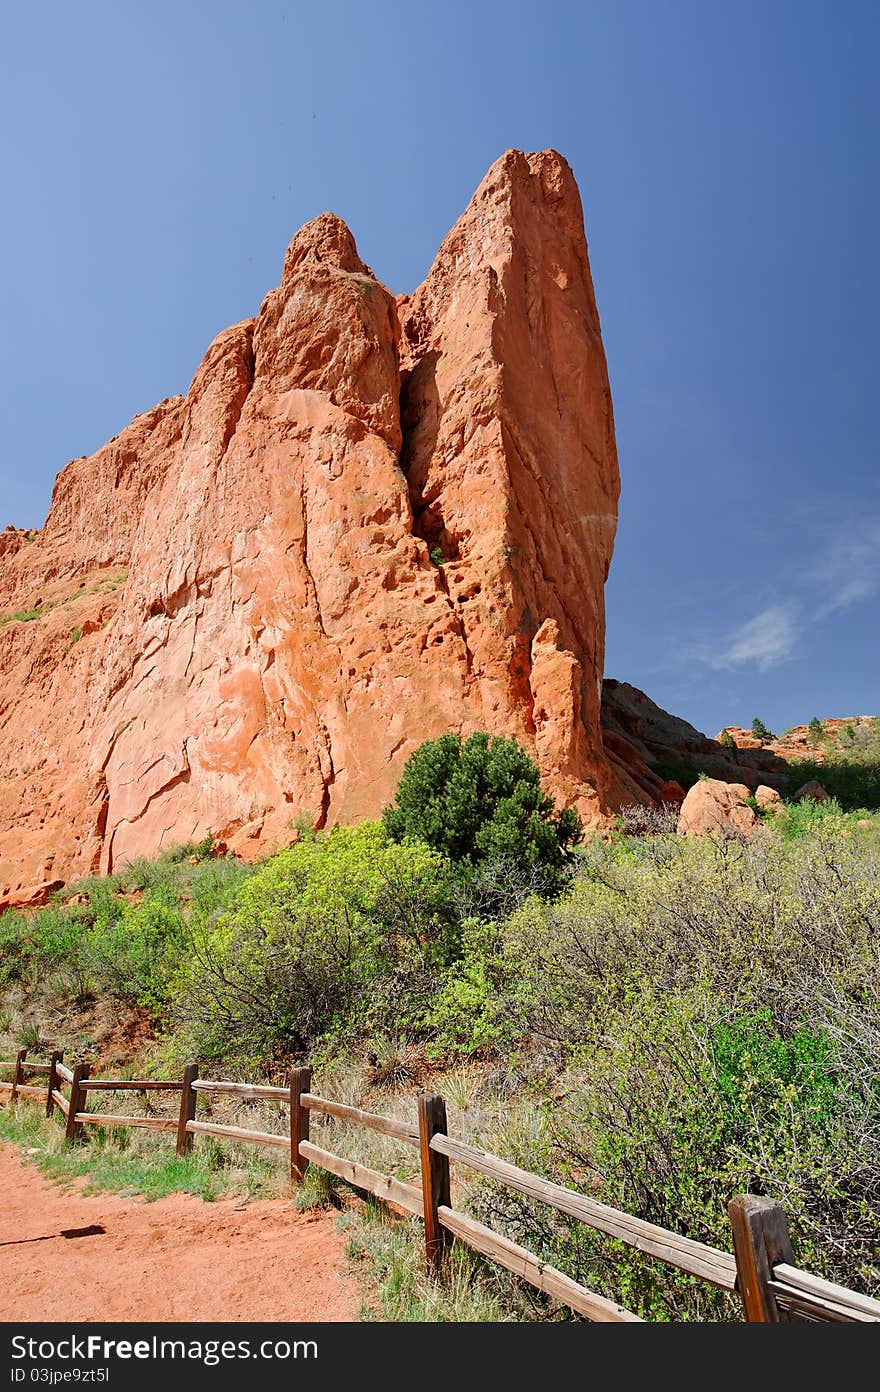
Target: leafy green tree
815	730
760	731
726	740
477	800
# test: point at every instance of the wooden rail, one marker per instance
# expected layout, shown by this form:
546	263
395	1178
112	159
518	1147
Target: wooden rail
238	1133
371	1120
274	1094
803	1293
61	1101
761	1270
383	1186
710	1264
521	1262
129	1085
147	1123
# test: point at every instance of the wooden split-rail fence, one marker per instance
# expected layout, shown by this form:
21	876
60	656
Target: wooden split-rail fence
761	1269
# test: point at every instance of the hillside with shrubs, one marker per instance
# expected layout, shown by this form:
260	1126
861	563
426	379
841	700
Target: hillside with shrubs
661	1021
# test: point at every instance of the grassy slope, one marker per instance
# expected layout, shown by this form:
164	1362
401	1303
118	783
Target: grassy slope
671	1038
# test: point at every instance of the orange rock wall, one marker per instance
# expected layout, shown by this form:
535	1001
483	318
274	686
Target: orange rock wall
239	620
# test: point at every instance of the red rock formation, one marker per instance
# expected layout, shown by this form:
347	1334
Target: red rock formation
713	808
646	744
238	620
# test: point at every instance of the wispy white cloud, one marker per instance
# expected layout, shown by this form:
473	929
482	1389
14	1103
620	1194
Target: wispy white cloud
848	569
767	639
844	570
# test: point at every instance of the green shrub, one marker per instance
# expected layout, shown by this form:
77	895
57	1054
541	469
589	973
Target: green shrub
683	1107
92	941
816	731
479	799
715	1011
760	731
726	740
471	1013
850	776
329	938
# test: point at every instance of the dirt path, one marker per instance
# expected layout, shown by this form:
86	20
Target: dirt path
113	1258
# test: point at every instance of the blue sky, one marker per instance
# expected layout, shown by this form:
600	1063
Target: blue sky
156	159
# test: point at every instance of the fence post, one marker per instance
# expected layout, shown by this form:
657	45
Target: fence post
53	1080
188	1099
435	1176
77	1101
300	1082
16	1077
760	1242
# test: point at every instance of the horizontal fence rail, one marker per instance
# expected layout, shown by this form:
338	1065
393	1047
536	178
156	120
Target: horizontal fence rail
237	1133
129	1085
521	1262
710	1264
383	1186
806	1294
246	1090
371	1120
761	1269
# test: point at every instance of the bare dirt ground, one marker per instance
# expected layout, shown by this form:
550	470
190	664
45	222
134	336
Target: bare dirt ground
112	1258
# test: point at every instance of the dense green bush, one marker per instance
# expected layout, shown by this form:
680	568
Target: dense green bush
713	1011
479	799
851	776
332	937
94	941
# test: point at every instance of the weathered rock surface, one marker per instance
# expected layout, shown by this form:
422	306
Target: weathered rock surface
837	734
811	791
714	808
768	799
647	745
232	618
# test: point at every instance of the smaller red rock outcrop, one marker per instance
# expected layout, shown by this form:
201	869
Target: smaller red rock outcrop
648	746
811	791
768	799
713	808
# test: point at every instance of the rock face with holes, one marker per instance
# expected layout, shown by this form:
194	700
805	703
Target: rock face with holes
368	522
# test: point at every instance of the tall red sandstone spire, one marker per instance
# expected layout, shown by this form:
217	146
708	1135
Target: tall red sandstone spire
264	633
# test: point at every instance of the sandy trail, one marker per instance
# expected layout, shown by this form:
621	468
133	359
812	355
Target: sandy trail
112	1258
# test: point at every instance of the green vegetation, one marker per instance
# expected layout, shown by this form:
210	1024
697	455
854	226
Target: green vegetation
726	740
25	615
330	938
478	800
849	768
390	1255
95	941
815	731
661	1022
760	731
132	1162
437	557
